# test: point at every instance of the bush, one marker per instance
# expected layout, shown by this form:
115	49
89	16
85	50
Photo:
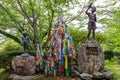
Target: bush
109	55
10	45
2	71
6	58
117	54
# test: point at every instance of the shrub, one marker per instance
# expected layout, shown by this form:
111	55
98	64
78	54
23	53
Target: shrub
109	55
10	45
117	54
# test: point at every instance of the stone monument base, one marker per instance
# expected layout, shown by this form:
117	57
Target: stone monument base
90	58
24	65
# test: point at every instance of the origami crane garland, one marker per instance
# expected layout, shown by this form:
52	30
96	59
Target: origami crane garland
61	50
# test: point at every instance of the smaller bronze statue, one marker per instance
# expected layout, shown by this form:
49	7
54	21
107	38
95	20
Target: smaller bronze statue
25	43
92	20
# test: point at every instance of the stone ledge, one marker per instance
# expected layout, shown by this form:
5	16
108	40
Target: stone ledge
98	75
108	75
19	77
86	76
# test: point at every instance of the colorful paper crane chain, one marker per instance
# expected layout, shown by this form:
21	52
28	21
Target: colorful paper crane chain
61	49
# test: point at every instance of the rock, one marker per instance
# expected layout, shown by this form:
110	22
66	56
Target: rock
90	57
73	79
24	65
75	73
98	75
108	75
86	76
19	77
77	79
75	67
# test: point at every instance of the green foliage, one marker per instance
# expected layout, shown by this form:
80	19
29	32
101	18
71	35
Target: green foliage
6	58
2	71
117	54
114	67
36	17
113	30
109	55
11	45
80	37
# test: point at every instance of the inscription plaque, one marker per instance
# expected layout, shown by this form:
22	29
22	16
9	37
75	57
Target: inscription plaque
92	50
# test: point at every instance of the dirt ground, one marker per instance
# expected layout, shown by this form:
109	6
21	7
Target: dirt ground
60	78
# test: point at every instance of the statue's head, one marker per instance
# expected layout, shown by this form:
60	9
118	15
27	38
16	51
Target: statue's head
93	9
24	33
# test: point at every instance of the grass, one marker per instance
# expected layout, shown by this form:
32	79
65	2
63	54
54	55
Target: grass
114	67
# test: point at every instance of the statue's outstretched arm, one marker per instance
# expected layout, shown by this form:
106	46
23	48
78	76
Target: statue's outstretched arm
87	11
88	8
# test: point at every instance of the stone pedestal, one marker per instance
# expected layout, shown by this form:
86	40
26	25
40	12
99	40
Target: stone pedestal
90	57
24	65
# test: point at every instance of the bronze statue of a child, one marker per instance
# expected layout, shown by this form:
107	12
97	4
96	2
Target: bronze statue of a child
25	43
92	20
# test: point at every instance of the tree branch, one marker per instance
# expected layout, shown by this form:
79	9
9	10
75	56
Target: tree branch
24	11
49	29
11	17
78	14
10	36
